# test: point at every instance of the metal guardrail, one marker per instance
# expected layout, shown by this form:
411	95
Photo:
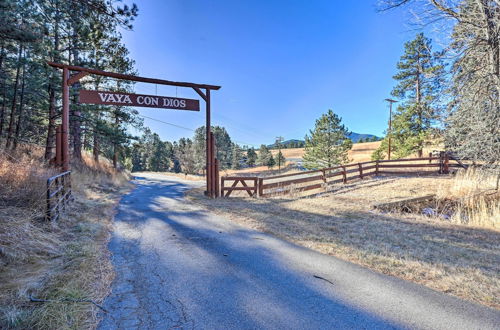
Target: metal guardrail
58	195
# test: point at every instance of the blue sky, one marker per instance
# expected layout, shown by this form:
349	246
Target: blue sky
281	64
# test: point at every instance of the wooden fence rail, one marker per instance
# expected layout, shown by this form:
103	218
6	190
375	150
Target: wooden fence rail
251	190
58	195
294	182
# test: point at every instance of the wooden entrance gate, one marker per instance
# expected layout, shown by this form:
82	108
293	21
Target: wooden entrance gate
91	97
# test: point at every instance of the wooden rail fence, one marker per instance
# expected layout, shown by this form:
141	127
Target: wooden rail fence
58	195
315	179
251	190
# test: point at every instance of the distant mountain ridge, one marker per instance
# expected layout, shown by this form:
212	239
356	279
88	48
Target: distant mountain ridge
294	143
355	137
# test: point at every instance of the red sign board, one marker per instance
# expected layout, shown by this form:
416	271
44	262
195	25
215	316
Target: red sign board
138	100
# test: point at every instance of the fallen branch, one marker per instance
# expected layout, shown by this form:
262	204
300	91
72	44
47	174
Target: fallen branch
324	279
402	203
32	299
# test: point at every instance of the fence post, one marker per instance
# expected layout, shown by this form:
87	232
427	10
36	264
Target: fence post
222	186
58	146
430	157
344	175
261	187
70	195
360	171
63	192
445	164
441	160
255	185
48	215
376	167
58	196
216	178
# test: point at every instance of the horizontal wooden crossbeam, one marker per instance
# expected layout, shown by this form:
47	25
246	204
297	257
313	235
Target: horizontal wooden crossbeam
132	77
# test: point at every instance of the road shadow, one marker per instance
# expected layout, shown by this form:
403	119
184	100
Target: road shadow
223	272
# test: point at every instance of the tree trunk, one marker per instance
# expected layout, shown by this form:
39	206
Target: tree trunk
95	149
4	104
115	144
4	90
418	98
75	112
21	108
2	56
52	95
14	99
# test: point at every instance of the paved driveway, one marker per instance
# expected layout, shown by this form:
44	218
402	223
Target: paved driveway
178	266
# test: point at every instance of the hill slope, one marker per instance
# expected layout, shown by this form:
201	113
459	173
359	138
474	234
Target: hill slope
295	143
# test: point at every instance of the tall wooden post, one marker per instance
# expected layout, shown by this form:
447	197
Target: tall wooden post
446	164
212	162
58	146
216	178
209	146
65	120
441	161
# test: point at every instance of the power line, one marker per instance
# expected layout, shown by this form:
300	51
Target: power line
164	122
192	130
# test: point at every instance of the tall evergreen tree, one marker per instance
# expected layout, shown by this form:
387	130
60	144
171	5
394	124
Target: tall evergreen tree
223	146
280	159
420	81
264	155
327	145
251	157
271	162
237	157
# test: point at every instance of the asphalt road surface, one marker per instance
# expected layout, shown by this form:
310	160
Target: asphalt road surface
178	266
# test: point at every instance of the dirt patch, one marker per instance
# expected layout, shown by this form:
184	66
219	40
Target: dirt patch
455	259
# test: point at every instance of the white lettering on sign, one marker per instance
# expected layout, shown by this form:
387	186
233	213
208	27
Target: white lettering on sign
174	103
129	99
147	100
115	98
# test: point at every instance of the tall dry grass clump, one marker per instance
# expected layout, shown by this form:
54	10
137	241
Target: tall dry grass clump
58	261
477	200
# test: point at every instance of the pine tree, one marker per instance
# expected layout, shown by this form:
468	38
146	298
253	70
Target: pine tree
420	79
223	146
327	144
271	162
251	157
236	157
264	155
280	159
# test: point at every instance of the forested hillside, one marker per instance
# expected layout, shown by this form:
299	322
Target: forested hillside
82	33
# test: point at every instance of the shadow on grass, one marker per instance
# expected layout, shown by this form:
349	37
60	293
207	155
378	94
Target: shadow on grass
394	236
251	287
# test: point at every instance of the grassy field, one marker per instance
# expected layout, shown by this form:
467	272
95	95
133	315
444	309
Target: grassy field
58	262
360	152
461	259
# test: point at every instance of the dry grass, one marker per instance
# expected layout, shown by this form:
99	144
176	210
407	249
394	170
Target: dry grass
452	258
477	201
63	260
360	152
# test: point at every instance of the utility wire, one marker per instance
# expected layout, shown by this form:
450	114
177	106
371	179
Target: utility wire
190	129
164	122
